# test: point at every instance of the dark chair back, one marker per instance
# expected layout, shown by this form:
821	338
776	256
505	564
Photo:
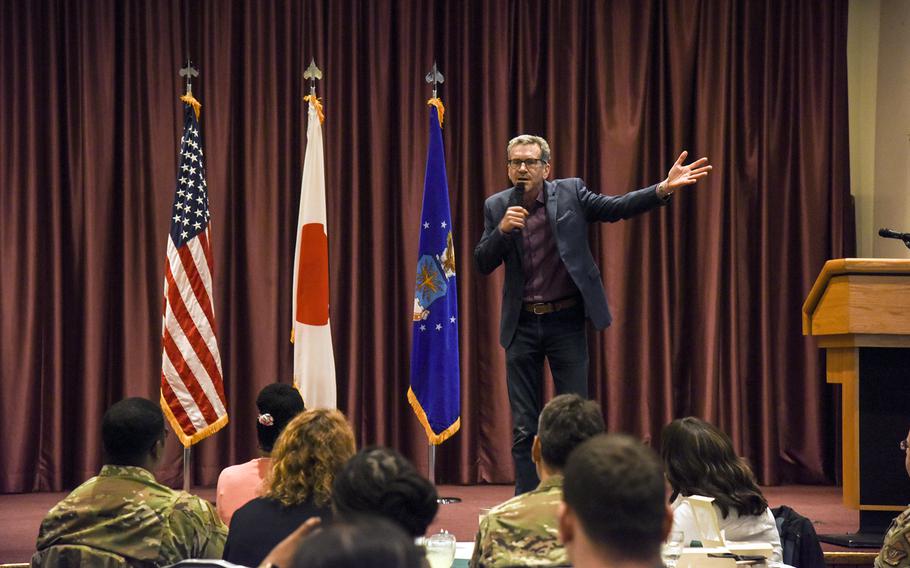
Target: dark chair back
798	539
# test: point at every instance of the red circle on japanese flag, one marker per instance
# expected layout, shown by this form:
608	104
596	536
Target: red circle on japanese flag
313	276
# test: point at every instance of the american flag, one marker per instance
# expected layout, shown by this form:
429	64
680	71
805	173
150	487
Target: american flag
192	385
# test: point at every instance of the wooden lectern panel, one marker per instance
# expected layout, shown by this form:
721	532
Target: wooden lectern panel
864	303
861	297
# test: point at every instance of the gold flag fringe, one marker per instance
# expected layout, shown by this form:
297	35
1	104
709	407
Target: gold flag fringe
318	104
186	440
191	100
436	102
433	437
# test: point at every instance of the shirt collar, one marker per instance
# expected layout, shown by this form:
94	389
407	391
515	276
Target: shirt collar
110	470
550	482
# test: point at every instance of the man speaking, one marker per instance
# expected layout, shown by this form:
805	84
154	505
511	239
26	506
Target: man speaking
539	229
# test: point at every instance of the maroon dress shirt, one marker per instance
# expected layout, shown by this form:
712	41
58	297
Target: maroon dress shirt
546	277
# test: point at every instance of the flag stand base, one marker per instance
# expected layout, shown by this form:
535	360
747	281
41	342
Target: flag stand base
186	468
431	471
448	500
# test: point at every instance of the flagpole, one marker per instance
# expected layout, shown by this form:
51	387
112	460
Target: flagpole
187	451
431	475
188	72
435	77
314	361
201	363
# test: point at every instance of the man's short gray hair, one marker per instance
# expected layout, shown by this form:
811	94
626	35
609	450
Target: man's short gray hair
523	139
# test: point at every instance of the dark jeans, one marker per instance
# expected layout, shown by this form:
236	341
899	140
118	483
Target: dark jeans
561	338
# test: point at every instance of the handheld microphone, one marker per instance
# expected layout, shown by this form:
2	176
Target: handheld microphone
889	234
517	198
518	194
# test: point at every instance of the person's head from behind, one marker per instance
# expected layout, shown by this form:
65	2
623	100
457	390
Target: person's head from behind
700	460
613	502
308	455
278	404
132	433
565	422
380	481
360	542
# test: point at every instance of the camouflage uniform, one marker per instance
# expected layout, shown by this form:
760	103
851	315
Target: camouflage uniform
124	517
896	548
523	531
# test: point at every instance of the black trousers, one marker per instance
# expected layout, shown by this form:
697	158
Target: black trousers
560	338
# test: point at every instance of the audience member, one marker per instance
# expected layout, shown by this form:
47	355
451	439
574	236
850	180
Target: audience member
699	460
614	514
363	542
306	458
524	529
895	552
380	481
238	484
123	517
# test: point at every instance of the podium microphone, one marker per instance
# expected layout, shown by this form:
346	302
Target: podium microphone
889	234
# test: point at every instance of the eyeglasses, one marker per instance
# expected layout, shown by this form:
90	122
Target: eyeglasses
904	445
530	163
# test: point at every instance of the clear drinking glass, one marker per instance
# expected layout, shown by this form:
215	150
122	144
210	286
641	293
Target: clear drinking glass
672	549
440	549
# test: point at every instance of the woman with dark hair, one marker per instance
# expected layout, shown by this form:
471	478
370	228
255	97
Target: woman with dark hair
699	460
307	457
382	482
278	404
364	542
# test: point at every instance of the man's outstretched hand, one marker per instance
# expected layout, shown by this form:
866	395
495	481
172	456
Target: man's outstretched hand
681	175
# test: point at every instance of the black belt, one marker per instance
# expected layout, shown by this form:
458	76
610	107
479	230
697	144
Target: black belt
541	308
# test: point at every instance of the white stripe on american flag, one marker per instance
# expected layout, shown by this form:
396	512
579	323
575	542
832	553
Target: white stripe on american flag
178	387
195	247
183	395
196	250
202	325
181	275
195	365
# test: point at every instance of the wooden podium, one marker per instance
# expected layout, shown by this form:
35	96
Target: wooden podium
859	310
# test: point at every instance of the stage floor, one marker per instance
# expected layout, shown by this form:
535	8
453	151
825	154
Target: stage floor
21	514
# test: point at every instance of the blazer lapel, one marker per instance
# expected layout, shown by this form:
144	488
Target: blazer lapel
549	190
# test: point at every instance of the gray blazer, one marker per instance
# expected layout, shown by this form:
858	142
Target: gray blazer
570	207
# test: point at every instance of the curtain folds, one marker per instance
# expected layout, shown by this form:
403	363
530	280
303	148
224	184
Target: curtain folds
706	293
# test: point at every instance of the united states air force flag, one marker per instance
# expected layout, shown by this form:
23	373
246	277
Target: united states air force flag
435	376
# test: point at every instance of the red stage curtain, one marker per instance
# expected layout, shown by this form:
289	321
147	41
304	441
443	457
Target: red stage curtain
706	292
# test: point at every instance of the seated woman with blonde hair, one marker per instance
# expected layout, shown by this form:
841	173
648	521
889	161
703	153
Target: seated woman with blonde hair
699	460
305	460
